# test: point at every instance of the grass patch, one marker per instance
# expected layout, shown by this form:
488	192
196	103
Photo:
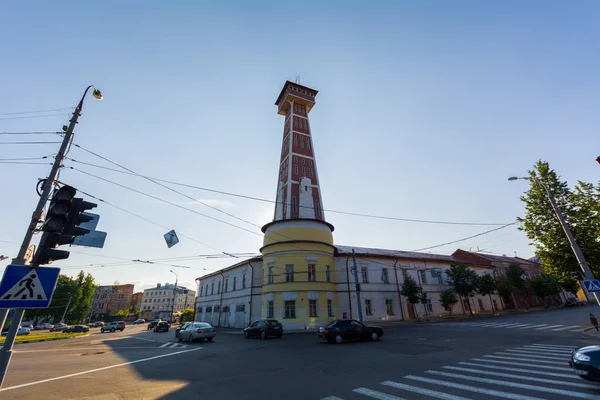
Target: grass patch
43	336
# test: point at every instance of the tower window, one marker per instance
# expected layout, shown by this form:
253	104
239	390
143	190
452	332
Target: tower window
310	163
296	168
308	143
295	160
294	204
303	171
310	172
295	140
302	142
303	161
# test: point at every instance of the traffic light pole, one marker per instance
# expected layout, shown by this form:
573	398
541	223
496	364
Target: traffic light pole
36	218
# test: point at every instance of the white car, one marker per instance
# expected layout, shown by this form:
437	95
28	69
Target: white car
44	326
23	331
197	331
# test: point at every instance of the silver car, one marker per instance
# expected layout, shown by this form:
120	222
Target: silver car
197	330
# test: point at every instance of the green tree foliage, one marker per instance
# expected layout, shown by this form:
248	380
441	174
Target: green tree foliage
122	313
569	283
186	315
545	286
448	299
580	208
486	286
463	280
411	290
514	275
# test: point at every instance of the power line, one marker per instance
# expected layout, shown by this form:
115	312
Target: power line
37	111
24	163
25	158
274	202
31	133
34	116
468	237
29	142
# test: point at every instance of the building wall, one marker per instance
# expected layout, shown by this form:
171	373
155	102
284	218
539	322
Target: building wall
160	301
109	299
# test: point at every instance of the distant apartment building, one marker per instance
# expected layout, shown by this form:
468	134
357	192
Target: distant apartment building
158	302
109	299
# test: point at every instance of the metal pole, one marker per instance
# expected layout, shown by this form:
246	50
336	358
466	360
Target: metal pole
174	295
62	320
360	316
574	246
6	351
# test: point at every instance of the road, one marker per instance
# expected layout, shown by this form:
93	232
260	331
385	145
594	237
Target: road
522	356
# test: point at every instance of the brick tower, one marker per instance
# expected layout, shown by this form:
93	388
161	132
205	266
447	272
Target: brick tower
298	252
298	194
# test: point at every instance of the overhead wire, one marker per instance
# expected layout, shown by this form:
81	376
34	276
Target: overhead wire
31	133
36	111
34	116
32	142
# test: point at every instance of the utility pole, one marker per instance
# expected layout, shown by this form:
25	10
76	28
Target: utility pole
360	316
174	295
62	320
6	351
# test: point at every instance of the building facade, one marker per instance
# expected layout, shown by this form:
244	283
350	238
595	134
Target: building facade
110	299
159	302
302	278
136	302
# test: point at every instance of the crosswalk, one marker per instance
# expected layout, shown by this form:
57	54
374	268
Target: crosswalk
518	326
530	372
170	345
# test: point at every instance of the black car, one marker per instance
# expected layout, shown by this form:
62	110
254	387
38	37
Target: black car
586	363
77	329
264	328
348	329
162	326
152	325
573	302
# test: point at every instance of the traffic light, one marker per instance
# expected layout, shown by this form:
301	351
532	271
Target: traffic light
76	217
58	212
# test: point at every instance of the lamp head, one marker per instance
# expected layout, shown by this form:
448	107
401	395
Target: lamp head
513	178
97	94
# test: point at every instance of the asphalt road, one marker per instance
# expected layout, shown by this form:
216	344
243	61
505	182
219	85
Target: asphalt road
522	356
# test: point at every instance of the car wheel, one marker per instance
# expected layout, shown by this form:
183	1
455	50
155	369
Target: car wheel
263	335
112	330
247	335
178	338
210	339
191	339
374	336
338	339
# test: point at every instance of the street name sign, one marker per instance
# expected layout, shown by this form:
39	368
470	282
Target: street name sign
592	286
26	287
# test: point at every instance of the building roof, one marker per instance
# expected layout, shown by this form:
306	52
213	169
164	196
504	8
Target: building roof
166	287
223	270
409	255
295	84
460	255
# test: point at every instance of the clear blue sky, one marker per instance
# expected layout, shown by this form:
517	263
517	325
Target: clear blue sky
424	110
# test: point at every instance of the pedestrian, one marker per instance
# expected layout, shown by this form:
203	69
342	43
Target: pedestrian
594	321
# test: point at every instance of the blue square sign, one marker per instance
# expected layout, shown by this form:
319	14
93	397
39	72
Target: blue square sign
26	287
592	286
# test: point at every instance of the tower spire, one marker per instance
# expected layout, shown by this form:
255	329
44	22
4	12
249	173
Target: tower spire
298	192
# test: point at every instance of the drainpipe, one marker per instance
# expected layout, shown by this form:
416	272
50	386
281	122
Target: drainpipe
251	280
398	287
348	282
221	298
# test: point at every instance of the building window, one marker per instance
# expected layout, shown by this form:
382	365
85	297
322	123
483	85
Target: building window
310	163
303	171
294	200
219	287
330	308
384	275
209	309
295	168
295	142
226	284
481	307
310	172
307	142
327	273
212	289
289	273
270	309
303	161
290	309
365	274
312	308
302	142
368	309
423	276
312	272
240	308
201	291
389	308
271	275
234	282
296	159
244	280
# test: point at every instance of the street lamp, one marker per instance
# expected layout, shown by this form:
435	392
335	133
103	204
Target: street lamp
574	246
174	294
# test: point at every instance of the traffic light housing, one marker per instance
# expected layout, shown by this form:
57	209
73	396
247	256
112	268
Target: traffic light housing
58	211
76	217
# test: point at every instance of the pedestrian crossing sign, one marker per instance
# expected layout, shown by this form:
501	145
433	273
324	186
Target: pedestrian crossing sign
592	286
25	287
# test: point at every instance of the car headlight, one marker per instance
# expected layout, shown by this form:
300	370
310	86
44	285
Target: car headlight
581	357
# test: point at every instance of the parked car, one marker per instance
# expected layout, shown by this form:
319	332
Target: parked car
59	327
348	329
97	324
44	326
139	321
586	363
573	302
182	327
77	329
197	331
27	324
113	326
162	326
264	328
23	330
152	324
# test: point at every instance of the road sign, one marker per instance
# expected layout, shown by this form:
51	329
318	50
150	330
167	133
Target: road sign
523	276
94	238
25	287
171	238
592	286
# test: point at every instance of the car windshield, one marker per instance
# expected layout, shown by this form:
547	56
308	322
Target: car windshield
202	325
272	322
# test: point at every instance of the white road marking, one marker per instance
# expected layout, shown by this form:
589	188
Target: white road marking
502	325
533	354
145	340
522	364
525	378
546	350
524	359
165	345
566	393
556	346
548	327
174	345
377	395
520	326
568	327
535	326
332	398
474	389
511	326
528	371
430	393
84	348
97	369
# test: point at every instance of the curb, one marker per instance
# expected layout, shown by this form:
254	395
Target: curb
47	340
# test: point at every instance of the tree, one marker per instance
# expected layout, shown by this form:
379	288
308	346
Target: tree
411	290
122	313
545	286
463	280
486	286
504	288
448	300
569	283
186	315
